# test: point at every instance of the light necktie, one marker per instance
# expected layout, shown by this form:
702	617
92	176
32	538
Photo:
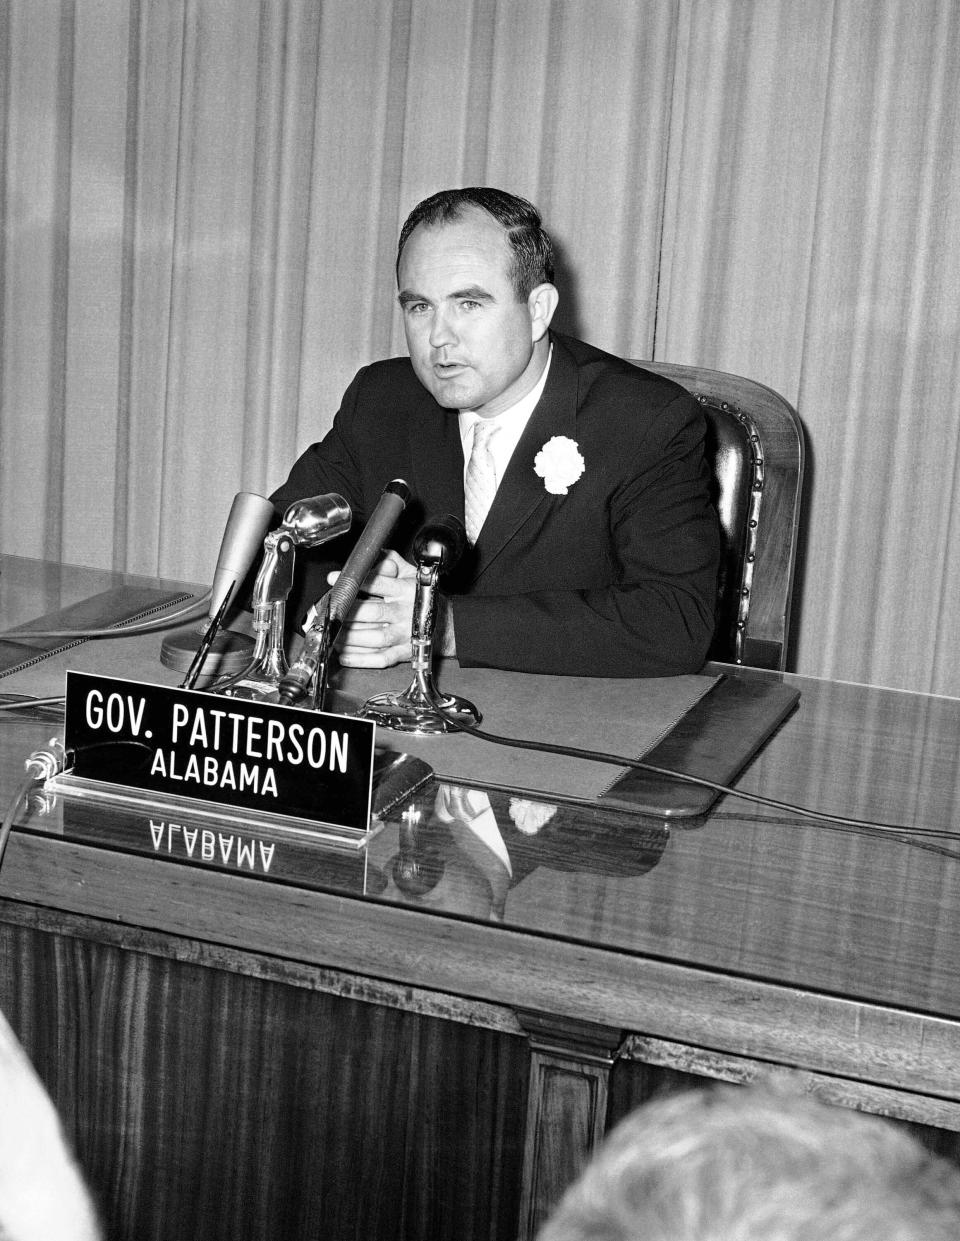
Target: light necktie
480	481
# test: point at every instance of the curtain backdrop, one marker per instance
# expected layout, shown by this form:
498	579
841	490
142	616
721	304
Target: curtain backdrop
201	200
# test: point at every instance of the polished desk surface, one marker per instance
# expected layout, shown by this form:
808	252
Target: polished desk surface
753	929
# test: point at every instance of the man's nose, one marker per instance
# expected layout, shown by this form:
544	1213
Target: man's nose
441	330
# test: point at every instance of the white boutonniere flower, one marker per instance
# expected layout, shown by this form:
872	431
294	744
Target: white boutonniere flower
530	816
559	464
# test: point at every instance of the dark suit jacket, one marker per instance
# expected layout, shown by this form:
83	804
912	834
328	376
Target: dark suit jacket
616	578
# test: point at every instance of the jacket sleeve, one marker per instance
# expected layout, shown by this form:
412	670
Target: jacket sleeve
331	466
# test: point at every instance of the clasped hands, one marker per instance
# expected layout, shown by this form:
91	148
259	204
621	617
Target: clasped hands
377	632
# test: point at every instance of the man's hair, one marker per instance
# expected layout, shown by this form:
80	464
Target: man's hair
745	1164
529	242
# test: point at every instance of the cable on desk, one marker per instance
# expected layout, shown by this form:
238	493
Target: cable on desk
619	760
901	834
900	831
40	766
43	765
15	704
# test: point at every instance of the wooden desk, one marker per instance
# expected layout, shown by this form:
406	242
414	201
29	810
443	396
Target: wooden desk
316	1051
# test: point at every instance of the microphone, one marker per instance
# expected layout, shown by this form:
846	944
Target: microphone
443	541
338	602
317	519
306	523
250	517
201	648
421	708
343	593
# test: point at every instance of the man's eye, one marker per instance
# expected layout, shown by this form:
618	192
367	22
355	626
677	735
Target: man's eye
415	308
468	304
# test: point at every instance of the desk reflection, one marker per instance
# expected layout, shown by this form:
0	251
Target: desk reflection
463	850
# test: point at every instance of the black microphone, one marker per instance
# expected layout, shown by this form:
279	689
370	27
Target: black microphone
343	593
443	540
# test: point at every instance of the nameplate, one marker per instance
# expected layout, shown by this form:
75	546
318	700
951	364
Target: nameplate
250	756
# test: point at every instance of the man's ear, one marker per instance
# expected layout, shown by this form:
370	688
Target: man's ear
542	302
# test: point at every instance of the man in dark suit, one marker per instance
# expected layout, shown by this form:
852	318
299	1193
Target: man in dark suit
594	545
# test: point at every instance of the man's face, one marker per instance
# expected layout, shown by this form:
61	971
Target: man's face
471	341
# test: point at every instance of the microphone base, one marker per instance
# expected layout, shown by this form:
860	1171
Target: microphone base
229	652
421	709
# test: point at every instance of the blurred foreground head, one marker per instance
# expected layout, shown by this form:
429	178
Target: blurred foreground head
42	1193
747	1164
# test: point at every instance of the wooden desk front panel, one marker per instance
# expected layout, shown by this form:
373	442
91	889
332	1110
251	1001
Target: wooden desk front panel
210	1103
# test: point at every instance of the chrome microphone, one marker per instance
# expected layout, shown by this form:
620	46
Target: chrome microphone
295	683
306	523
421	708
311	665
443	541
317	519
436	550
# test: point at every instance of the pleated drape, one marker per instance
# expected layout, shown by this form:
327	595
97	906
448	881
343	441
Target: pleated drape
201	200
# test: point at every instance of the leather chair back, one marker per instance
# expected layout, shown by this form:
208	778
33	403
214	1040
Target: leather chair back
755	447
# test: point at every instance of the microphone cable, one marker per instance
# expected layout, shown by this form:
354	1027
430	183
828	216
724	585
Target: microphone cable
15	704
40	767
844	822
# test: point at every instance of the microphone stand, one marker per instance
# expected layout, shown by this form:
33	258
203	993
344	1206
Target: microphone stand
421	708
306	523
328	635
208	639
307	677
268	664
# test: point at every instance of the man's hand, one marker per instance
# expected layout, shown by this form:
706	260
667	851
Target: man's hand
377	633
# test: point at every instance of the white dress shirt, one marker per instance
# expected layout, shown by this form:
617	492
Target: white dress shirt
510	425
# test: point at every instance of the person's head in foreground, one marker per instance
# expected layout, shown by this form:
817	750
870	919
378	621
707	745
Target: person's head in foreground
42	1193
750	1164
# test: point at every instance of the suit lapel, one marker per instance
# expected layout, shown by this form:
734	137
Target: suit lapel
521	491
436	456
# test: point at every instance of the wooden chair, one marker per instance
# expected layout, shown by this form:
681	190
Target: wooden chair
755	445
